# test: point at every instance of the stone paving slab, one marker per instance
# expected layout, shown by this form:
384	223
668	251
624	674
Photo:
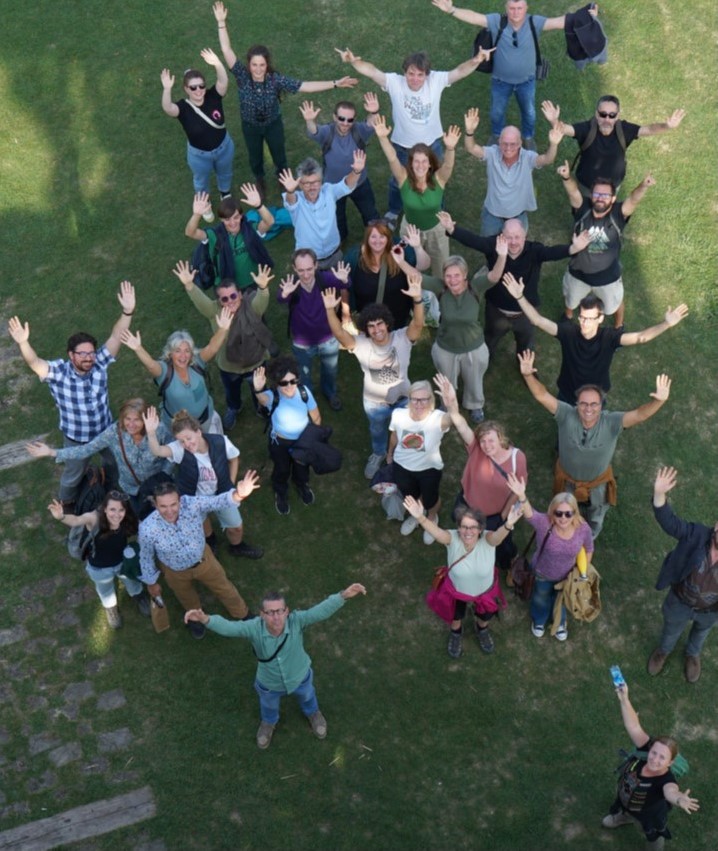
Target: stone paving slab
114	699
116	740
65	754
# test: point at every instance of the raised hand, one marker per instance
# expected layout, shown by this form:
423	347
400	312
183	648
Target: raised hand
414	507
582	240
185	273
515	288
675	118
341	271
247	484
288	181
263	276
288	285
356	588
451	137
346	82
447	392
346	55
516	485
359	160
446	221
201	203
502	245
412	236
39	449
564	171
330	298
259	379
132	341
167	78
55	508
126	297
309	111
471	119
663	388
250	195
413	289
526	362
371	103
18	331
551	112
444	5
224	319
666	479
210	57
483	55
673	317
151	420
381	128
555	134
220	12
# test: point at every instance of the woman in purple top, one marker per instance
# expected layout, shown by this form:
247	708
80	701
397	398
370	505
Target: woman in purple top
260	89
560	534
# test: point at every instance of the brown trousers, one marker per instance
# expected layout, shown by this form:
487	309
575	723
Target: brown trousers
211	574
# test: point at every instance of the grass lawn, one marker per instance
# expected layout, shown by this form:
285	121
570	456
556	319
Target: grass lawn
511	751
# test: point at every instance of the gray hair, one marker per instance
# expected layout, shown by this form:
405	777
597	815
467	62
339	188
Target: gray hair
308	168
175	340
455	260
424	385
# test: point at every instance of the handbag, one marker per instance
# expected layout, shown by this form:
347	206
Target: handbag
522	577
441	573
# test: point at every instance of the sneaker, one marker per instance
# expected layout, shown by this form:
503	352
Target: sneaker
245	550
229	418
391	219
319	724
281	503
264	735
223	195
196	629
373	463
656	661
114	618
537	629
208	216
335	403
485	639
692	668
408	526
143	604
561	633
454	648
617	820
477	415
306	494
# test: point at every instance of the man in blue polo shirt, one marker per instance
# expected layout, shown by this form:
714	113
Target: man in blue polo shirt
79	386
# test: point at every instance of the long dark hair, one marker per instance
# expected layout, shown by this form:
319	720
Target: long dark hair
129	522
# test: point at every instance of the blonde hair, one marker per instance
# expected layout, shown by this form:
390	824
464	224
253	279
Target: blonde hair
570	500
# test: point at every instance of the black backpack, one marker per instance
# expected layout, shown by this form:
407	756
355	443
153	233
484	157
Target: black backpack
483	39
267	412
202	262
92	490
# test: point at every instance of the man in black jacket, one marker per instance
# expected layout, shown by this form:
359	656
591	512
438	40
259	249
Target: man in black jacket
691	569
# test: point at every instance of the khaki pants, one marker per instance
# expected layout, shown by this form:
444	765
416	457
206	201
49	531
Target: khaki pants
211	574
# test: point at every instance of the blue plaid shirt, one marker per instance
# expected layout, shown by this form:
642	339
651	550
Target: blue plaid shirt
82	400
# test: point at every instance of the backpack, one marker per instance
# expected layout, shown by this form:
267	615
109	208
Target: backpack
679	767
591	137
204	264
578	226
267	413
329	141
483	39
92	490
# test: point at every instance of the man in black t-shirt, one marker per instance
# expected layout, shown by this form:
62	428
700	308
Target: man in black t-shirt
604	138
588	348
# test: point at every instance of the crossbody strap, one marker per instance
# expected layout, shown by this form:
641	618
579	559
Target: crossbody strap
124	454
381	286
273	656
205	117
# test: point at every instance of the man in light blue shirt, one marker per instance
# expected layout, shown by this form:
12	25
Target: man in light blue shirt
284	666
314	209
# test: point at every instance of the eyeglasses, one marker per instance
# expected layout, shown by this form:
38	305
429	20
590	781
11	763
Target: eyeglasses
420	400
231	297
195	86
305	181
509	144
465	528
270	612
582	318
288	382
89	355
120	496
589	404
567	514
344	120
607	114
599	195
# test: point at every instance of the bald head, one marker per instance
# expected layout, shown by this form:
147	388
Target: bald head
510	143
515	234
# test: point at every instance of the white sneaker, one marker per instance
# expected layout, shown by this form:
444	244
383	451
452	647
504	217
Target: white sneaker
561	633
537	630
408	526
208	216
372	465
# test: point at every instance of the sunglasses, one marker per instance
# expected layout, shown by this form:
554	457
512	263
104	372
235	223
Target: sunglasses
344	120
288	382
567	514
607	114
119	496
231	297
200	86
515	38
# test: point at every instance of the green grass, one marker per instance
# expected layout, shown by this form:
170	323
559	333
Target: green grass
494	753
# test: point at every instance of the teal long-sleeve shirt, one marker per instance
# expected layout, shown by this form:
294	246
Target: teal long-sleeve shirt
289	667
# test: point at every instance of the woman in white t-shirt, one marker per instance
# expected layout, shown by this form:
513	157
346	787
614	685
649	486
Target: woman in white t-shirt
415	449
207	464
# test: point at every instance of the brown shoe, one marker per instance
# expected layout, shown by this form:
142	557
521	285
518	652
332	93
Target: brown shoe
264	735
692	668
656	661
319	724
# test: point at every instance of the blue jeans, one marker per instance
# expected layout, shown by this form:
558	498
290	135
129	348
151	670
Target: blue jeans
232	382
203	163
328	354
395	205
542	601
104	579
525	96
269	700
492	225
675	617
364	201
379	416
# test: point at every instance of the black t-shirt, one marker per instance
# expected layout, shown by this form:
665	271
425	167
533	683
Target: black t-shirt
639	795
599	264
604	157
585	361
200	134
107	551
527	266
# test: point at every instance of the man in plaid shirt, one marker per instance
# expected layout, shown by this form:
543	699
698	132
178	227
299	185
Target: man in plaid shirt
78	385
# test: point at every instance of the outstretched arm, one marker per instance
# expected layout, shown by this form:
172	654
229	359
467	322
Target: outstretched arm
152	423
447	392
666	479
126	298
465	15
224	320
516	289
555	135
168	81
211	58
670	123
21	334
331	300
220	14
538	391
134	342
382	131
645	412
366	69
672	318
634	199
451	140
569	184
469	65
416	509
637	734
471	125
413	290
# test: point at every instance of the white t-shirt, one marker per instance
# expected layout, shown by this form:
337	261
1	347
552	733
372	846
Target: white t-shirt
386	368
207	477
418	445
416	115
